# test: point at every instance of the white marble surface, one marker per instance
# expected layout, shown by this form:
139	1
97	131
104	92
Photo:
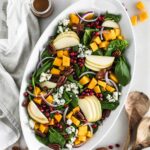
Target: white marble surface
141	81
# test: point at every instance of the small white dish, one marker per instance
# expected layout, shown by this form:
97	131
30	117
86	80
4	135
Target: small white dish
113	6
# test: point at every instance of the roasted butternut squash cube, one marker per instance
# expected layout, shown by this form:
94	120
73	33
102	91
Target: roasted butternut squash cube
109	35
58	117
104	44
69	115
117	31
49	99
110	88
113	77
43	128
37	100
112	35
66	61
83	131
120	37
97	40
143	16
97	89
36	126
77	142
60	53
134	20
55	71
57	62
74	19
37	91
51	122
102	83
75	121
140	5
61	68
82	138
89	134
106	35
76	109
84	80
66	53
94	46
92	84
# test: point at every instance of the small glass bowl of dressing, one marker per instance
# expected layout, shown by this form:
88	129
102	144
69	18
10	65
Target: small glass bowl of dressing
42	8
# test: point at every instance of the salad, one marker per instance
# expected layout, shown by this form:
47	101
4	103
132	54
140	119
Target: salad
78	79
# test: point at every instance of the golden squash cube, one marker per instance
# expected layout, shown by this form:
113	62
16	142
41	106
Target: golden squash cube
97	89
94	46
55	71
84	80
66	61
92	84
143	16
57	62
140	5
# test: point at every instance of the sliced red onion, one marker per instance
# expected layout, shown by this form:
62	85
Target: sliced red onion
49	104
88	72
41	61
55	111
101	33
114	84
33	94
107	79
65	113
85	15
90	126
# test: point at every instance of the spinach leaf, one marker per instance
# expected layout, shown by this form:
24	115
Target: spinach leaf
45	53
56	138
44	68
74	99
109	105
98	53
43	140
114	17
116	45
66	97
88	35
77	70
75	48
122	71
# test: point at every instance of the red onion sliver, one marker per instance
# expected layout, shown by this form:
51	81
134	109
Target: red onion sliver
88	72
39	64
107	79
55	111
65	113
49	104
93	20
89	124
101	33
114	84
33	94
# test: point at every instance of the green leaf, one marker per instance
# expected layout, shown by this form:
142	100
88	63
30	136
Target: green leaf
45	53
116	45
98	53
56	138
44	68
109	105
75	48
87	37
43	140
114	17
122	71
77	70
74	99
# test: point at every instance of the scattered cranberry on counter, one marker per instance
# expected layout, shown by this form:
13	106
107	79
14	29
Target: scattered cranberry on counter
26	94
110	147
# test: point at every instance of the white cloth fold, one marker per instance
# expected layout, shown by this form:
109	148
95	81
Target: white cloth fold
19	31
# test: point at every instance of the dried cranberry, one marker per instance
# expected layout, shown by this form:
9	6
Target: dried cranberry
47	114
94	126
26	94
110	147
30	88
117	145
25	103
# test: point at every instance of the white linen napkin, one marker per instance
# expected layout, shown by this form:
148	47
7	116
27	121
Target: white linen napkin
19	31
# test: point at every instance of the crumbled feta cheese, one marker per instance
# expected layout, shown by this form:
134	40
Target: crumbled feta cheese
60	29
70	129
76	133
69	146
61	89
88	52
69	121
115	95
62	102
45	77
73	139
31	124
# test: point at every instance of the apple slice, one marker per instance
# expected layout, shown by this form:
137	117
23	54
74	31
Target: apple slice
66	39
48	84
86	109
110	24
101	60
36	114
92	68
91	108
95	65
97	107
